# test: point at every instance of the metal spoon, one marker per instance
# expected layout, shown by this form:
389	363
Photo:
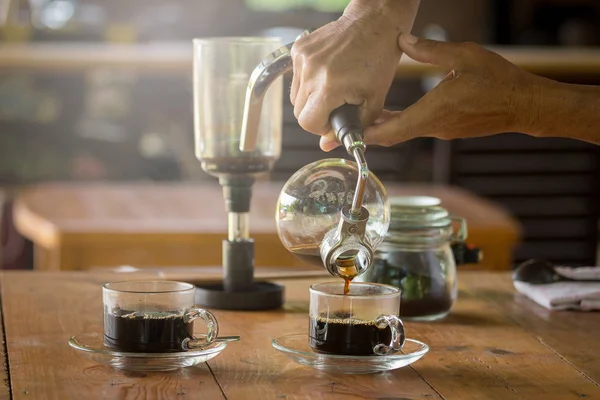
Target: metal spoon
539	272
227	339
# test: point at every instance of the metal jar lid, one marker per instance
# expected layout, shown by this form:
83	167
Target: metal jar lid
422	212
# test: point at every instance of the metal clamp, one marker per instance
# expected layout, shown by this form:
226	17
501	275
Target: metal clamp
347	242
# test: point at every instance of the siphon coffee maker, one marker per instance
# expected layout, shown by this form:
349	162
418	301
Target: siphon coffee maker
333	212
222	68
238	119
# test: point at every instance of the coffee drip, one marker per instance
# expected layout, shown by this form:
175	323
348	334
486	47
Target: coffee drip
346	267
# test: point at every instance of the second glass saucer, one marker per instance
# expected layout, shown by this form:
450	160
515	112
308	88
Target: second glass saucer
91	345
296	348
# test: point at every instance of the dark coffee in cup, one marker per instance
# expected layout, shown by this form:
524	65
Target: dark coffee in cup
145	332
342	334
363	322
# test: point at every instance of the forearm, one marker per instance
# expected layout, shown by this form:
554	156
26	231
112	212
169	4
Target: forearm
566	110
401	13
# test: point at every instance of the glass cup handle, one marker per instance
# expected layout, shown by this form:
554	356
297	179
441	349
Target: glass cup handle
398	337
212	329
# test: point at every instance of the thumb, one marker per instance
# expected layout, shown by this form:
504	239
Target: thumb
329	142
399	126
442	54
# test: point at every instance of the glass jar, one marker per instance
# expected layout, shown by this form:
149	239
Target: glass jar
416	256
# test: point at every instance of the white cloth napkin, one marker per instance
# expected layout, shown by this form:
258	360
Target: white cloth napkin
584	296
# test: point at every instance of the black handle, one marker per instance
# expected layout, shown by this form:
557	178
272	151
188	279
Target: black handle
466	254
344	120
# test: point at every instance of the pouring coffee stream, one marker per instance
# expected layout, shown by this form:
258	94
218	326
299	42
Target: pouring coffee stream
345	250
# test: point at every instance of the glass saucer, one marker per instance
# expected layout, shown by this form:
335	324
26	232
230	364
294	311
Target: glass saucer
296	347
91	345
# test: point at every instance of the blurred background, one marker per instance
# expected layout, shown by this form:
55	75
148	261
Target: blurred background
100	91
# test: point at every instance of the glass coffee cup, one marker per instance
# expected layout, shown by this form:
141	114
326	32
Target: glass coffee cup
154	317
364	322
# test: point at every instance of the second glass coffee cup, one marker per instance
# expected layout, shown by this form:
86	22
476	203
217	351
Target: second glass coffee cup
154	317
364	322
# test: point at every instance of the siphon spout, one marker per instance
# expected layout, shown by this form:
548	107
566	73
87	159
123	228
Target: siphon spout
361	183
345	121
272	67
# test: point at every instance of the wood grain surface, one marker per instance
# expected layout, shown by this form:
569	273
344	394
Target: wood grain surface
42	311
479	352
75	226
252	369
4	371
495	344
573	335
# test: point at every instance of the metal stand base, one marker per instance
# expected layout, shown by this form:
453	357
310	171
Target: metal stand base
258	296
238	291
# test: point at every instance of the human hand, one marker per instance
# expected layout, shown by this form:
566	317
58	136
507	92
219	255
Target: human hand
352	60
483	94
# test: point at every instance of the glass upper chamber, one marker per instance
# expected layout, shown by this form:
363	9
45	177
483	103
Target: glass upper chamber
310	204
222	69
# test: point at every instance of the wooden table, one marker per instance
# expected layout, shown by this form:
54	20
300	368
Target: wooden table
494	345
2	200
76	226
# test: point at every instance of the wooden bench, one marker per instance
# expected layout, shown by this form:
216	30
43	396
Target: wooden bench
77	226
